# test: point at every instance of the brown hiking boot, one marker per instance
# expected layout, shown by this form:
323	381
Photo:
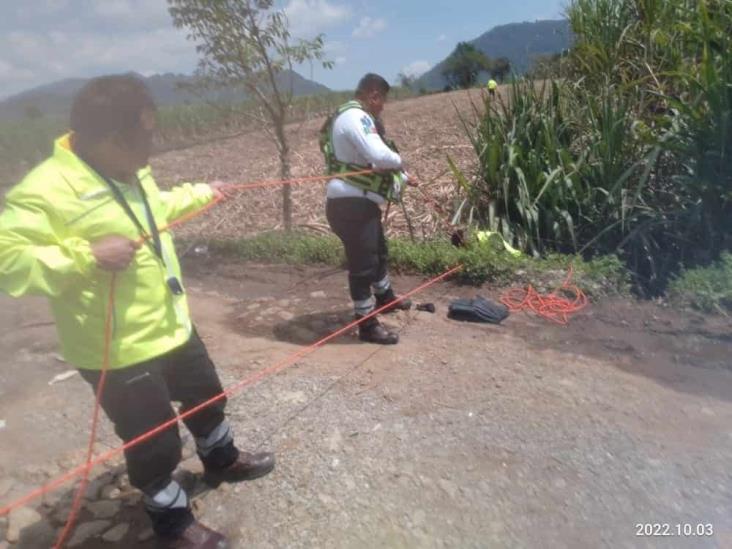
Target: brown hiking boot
196	536
372	331
246	467
388	297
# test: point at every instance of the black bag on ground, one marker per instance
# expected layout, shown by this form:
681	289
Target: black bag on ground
477	310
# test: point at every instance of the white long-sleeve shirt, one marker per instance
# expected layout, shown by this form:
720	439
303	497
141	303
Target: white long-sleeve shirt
356	141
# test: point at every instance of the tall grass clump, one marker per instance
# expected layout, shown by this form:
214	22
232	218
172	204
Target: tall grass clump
630	155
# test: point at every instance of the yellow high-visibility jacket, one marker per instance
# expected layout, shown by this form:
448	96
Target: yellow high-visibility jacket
50	219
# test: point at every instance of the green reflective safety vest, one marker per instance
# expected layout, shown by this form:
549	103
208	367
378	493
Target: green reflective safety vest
388	185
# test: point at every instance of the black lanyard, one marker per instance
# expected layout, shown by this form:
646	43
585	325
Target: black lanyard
156	244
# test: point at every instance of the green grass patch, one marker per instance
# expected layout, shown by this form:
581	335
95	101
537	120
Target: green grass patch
276	247
482	263
708	289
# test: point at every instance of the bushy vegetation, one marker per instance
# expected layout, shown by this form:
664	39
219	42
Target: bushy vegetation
465	64
708	289
629	153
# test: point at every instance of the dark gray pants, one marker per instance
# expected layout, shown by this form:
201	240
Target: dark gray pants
357	222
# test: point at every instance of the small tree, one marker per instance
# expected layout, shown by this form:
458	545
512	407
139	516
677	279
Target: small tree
464	64
406	80
500	68
247	44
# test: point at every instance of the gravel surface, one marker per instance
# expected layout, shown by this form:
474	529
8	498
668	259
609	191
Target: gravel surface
523	435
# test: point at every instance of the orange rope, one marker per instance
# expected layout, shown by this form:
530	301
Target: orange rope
295	181
187	217
550	306
79	496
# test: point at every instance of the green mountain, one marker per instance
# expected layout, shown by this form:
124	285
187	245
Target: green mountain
521	43
55	99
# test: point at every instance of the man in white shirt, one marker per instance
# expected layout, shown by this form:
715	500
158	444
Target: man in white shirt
351	140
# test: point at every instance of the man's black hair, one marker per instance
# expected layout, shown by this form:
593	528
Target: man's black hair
372	82
108	106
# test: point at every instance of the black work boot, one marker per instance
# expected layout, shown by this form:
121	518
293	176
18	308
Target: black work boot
389	297
372	331
244	466
196	536
177	529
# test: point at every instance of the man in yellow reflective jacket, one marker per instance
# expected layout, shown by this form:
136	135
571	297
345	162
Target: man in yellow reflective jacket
492	86
91	212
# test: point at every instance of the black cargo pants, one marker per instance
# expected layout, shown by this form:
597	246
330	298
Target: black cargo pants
138	398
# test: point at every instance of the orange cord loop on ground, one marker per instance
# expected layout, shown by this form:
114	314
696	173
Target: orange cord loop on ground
551	306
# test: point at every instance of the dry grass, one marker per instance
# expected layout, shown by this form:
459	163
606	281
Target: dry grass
425	128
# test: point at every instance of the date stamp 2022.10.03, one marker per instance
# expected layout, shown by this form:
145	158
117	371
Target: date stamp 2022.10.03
667	529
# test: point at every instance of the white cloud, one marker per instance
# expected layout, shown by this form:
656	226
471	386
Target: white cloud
308	18
138	13
55	5
416	68
442	38
40	9
336	51
13	73
113	9
46	40
369	27
44	59
335	47
161	49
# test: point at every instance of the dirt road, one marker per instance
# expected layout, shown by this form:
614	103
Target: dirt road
524	435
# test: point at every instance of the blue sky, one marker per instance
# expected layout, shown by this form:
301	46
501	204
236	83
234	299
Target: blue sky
46	40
